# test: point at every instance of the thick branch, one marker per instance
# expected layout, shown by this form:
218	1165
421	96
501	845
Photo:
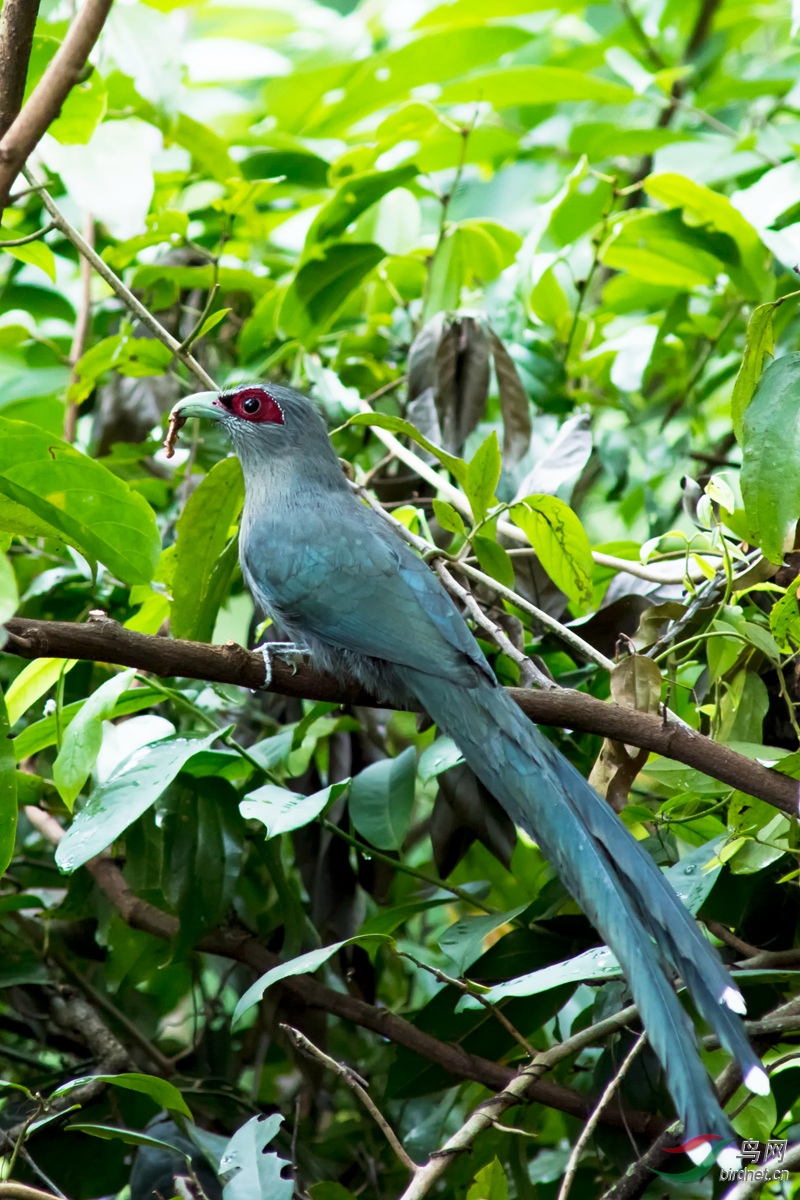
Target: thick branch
103	640
17	23
44	103
241	946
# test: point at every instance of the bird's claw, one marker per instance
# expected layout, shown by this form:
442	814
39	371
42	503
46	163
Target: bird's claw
288	652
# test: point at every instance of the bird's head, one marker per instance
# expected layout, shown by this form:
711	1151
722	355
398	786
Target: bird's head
263	421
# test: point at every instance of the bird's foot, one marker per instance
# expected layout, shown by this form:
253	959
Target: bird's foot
288	652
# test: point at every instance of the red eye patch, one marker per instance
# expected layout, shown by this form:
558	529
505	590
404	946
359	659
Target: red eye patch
254	404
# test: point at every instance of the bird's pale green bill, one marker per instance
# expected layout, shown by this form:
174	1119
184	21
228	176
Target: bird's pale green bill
199	404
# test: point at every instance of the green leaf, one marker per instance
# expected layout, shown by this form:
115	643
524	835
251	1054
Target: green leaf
165	1094
304	964
322	285
32	683
205	528
490	1183
94	510
449	518
8	790
281	811
247	1170
483	474
784	620
83	737
759	343
471	253
438	757
509	87
560	541
328	1190
456	466
703	208
44	733
661	249
354	197
596	964
131	1137
494	560
36	254
771	459
169	227
692	878
9	596
464	941
129	791
381	800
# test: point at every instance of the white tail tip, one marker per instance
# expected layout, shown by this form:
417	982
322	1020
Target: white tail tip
698	1154
757	1080
733	999
730	1159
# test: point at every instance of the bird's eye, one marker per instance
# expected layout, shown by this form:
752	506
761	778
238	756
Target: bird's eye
251	405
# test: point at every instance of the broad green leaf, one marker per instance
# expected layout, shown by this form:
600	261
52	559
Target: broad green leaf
440	756
247	1170
464	941
511	86
388	76
129	791
43	733
83	737
201	577
9	596
304	964
131	1137
354	197
322	285
169	226
381	800
596	964
328	1190
560	542
85	105
230	279
20	521
449	518
32	683
771	459
483	473
759	343
661	249
165	1094
456	466
694	876
490	1183
8	790
281	811
36	254
94	510
784	620
705	209
471	253
494	560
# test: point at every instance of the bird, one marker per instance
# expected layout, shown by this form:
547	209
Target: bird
344	587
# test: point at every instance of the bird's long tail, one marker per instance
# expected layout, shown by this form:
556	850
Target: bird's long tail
615	882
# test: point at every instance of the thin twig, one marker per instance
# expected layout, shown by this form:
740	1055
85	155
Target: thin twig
591	1124
356	1084
120	290
81	331
528	670
470	990
191	337
30	237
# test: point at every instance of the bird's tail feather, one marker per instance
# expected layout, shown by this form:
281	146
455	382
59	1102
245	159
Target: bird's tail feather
614	880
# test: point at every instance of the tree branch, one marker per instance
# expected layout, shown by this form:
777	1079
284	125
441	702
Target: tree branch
243	947
17	23
44	103
103	640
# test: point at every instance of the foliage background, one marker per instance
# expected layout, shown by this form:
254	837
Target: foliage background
607	196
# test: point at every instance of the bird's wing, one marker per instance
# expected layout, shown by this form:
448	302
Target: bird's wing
356	585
